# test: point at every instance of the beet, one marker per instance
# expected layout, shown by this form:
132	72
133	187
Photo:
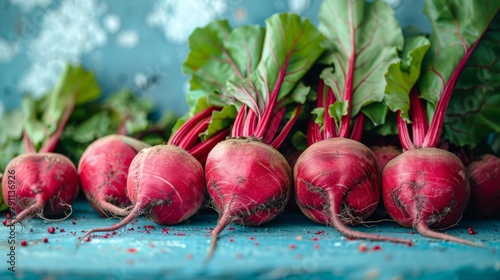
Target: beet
42	184
384	154
248	179
249	182
165	183
103	169
426	188
484	177
337	183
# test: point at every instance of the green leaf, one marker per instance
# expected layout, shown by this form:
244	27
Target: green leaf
337	110
87	123
198	101
319	114
495	143
245	48
220	120
11	126
36	129
363	39
11	137
10	142
3	206
376	112
389	127
299	94
299	140
217	53
403	74
95	126
131	110
91	121
474	109
193	98
78	83
456	26
290	48
9	150
75	86
206	49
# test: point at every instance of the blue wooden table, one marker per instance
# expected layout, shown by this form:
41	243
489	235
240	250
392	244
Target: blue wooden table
289	247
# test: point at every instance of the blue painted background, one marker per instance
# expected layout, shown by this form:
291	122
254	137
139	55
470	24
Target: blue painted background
135	44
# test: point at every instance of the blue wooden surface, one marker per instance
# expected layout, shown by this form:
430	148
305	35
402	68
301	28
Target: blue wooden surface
289	247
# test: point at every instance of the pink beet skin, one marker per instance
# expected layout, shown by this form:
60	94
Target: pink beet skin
249	183
384	154
247	180
168	181
337	171
484	176
42	184
103	170
165	183
337	183
426	188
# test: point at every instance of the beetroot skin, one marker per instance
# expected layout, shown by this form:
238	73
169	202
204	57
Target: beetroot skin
484	177
337	183
103	170
167	179
42	184
165	183
426	188
341	172
249	182
384	154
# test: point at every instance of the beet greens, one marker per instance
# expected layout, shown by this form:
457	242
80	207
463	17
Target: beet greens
248	180
427	186
337	181
209	63
41	182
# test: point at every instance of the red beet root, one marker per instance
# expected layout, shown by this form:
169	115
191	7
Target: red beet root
484	177
103	170
165	183
43	184
249	182
337	183
384	154
426	188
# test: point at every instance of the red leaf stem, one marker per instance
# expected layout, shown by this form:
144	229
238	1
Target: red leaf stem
286	129
179	135
271	104
274	125
436	126
263	124
250	123
357	129
201	150
51	142
329	127
239	122
313	132
418	118
28	145
192	137
404	135
345	122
